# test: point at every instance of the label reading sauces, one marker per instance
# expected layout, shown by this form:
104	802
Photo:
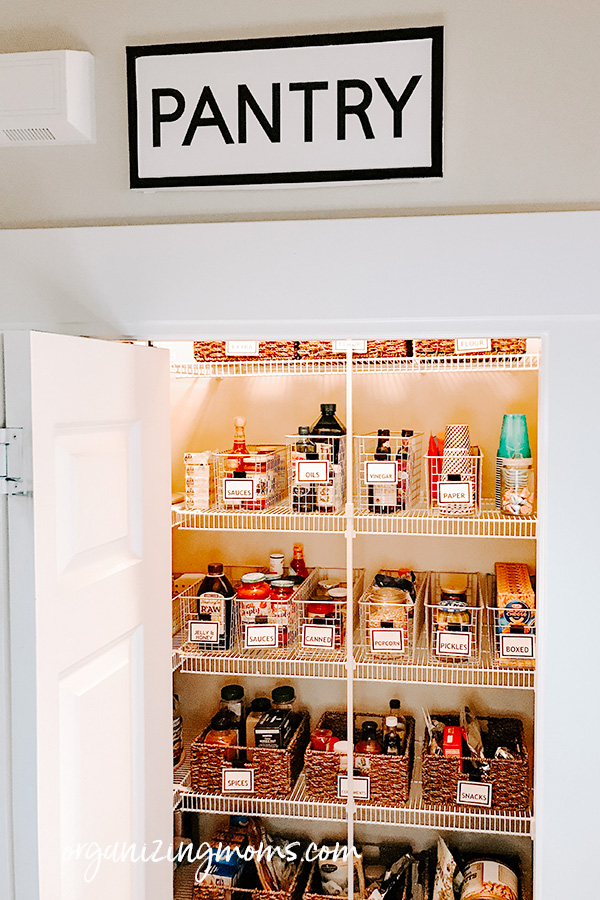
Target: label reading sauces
318	636
453	643
238	489
454	492
312	471
237	781
387	640
260	636
517	646
474	793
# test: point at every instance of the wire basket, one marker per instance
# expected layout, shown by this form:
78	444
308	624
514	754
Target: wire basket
383	779
443	779
317	485
389	628
260	484
268	623
274	771
454	621
454	493
321	606
390	485
511	623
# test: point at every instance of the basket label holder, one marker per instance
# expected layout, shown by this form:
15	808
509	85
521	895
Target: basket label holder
238	489
453	643
458	492
318	636
203	632
517	646
474	793
388	640
361	787
308	471
260	636
237	781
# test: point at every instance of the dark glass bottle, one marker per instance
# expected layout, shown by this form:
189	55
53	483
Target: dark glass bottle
327	432
303	494
215	599
402	461
328	425
369	742
382	497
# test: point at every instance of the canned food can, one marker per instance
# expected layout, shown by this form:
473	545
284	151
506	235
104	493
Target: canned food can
488	879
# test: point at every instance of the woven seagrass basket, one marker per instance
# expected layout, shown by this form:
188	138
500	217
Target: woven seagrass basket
275	770
375	349
447	346
509	777
389	775
216	350
294	892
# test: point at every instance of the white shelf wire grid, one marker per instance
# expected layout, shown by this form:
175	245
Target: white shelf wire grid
363	365
404	464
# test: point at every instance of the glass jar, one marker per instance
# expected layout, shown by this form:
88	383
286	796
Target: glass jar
369	742
224	734
258	707
283	697
516	487
232	710
253	587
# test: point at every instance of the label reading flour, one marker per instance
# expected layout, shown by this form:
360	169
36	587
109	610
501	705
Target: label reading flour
472	345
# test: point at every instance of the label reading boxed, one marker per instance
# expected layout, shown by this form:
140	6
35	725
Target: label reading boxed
453	643
260	636
361	787
472	345
517	646
474	793
237	781
238	489
310	471
241	348
380	473
318	636
204	632
387	640
454	492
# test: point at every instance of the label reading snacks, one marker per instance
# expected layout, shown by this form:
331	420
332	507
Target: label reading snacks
381	473
361	787
517	646
237	781
387	640
203	632
310	471
454	492
474	793
322	636
238	489
453	643
260	636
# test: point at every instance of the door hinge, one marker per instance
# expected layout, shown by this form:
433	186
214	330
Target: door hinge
11	461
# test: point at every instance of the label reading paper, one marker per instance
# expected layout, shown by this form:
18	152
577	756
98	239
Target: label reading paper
318	636
310	471
517	646
387	640
237	781
474	793
454	492
361	787
238	489
204	632
453	643
260	636
241	348
380	473
472	345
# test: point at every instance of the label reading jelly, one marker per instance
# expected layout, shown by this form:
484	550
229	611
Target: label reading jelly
260	636
204	632
237	781
387	640
474	793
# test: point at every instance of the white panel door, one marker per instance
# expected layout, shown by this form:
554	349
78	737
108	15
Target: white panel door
89	547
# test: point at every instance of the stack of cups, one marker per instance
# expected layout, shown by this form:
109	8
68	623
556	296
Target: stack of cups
514	445
457	451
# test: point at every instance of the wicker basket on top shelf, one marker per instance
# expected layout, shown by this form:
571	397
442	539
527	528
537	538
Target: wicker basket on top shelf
205	351
449	347
374	349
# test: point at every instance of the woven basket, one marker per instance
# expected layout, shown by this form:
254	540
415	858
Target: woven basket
447	346
217	350
295	891
390	775
375	349
275	771
510	777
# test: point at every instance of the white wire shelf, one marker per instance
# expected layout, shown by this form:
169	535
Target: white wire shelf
295	662
360	365
489	523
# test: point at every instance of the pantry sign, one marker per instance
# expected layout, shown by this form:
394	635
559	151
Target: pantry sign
365	106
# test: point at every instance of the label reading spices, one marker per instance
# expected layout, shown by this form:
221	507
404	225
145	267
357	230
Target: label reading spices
474	793
237	781
387	640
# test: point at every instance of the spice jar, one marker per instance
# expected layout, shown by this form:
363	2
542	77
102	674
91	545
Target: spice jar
225	734
283	697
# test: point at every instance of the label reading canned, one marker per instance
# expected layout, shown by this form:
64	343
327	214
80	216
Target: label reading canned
260	636
453	643
237	781
381	473
517	646
238	489
204	632
361	787
318	636
454	492
474	793
387	640
310	471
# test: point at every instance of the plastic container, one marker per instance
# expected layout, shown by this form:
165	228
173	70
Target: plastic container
516	487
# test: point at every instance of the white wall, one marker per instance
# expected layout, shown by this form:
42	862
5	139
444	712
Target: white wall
521	124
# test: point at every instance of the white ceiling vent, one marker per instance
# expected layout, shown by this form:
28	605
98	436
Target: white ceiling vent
47	98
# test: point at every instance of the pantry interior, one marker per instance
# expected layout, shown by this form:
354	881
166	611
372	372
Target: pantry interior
405	392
